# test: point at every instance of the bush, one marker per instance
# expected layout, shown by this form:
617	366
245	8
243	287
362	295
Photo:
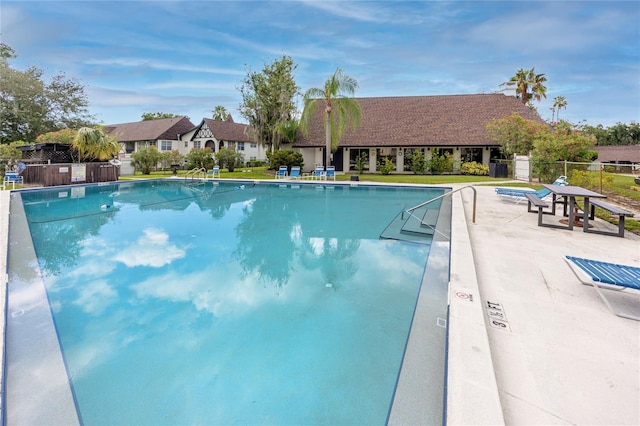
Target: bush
229	158
285	157
361	162
171	157
386	166
474	168
256	163
418	163
589	180
145	159
201	158
439	164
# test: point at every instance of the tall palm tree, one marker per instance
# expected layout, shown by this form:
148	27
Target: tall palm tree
220	113
559	102
340	110
93	143
528	85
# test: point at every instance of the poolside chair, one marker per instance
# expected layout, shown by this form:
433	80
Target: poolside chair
605	276
281	173
215	171
295	172
331	173
318	173
518	195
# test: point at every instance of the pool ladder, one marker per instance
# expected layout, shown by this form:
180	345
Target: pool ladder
197	173
410	211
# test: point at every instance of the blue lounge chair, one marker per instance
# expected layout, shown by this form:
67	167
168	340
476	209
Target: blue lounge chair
606	276
318	173
295	172
331	173
517	195
281	173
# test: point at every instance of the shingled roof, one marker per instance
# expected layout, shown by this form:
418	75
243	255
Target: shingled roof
150	130
449	120
228	130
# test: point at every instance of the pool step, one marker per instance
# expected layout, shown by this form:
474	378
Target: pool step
412	228
424	226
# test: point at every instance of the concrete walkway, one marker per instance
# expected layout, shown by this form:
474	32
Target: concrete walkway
558	355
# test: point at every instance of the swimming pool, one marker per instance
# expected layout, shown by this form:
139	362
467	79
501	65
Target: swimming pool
214	302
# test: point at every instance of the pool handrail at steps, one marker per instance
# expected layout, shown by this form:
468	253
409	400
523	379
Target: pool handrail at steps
198	172
410	210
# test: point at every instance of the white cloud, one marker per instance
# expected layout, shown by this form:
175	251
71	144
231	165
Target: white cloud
152	249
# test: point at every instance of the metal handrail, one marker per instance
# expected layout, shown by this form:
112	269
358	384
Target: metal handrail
475	194
200	172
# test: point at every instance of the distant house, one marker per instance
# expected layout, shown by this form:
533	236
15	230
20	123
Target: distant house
618	154
163	133
216	134
393	127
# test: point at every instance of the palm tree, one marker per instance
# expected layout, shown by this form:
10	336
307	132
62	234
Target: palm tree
93	143
220	113
528	85
559	102
340	110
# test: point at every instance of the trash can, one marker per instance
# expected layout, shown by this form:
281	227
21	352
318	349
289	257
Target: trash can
498	170
355	177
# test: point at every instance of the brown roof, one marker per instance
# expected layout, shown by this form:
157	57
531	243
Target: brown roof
228	130
422	121
615	153
150	130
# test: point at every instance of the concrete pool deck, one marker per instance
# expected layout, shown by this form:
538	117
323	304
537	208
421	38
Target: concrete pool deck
560	357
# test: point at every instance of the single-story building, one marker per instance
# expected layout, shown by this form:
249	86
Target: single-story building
620	155
393	127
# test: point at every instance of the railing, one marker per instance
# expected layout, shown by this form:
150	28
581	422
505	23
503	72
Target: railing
200	173
475	194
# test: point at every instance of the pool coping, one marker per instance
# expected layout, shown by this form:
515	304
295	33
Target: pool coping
471	390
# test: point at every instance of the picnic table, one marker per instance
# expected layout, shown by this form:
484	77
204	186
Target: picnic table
569	193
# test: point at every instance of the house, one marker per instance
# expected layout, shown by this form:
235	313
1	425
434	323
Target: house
619	155
163	133
217	134
394	127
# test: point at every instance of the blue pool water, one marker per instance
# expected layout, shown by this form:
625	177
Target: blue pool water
217	303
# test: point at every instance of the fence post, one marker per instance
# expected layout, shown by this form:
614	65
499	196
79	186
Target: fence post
601	169
565	168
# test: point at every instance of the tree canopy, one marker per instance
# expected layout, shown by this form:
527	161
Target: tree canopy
220	113
147	116
268	101
618	134
528	85
29	106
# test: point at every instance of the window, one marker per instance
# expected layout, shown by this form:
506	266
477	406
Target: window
186	144
240	146
468	155
197	144
165	145
354	153
254	145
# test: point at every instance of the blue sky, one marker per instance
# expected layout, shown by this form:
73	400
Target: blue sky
186	57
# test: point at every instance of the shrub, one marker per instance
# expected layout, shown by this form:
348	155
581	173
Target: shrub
386	166
145	159
171	157
285	157
418	162
474	168
201	158
589	180
361	162
256	163
439	164
229	158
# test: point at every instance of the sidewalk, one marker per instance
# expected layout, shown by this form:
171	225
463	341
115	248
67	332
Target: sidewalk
559	355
